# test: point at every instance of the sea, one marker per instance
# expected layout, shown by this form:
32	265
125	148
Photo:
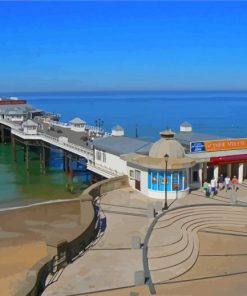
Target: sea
142	114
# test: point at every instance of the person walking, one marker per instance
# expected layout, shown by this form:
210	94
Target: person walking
205	187
214	186
227	183
221	182
235	183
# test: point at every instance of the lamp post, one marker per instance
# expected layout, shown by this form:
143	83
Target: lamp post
99	123
166	157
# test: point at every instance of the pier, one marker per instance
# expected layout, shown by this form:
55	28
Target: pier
42	135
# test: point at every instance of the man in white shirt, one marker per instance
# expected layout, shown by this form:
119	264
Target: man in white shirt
213	186
227	183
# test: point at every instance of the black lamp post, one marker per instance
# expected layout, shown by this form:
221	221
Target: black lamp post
99	123
166	157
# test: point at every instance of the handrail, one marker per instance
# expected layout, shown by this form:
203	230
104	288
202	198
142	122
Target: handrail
44	137
104	169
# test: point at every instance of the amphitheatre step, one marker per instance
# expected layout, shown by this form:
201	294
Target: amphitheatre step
172	255
175	212
182	216
173	234
194	227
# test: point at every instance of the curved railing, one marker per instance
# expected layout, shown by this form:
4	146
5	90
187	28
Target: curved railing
36	277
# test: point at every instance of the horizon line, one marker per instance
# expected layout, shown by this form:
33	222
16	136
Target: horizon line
121	91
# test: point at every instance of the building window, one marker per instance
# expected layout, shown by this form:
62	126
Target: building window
175	180
157	179
181	180
132	174
98	155
185	179
104	157
195	176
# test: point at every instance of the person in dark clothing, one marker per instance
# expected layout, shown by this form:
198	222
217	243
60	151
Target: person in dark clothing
221	182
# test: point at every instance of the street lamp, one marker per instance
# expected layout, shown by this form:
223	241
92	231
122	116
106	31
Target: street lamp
99	123
166	157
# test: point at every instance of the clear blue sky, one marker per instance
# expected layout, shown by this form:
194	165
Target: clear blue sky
59	46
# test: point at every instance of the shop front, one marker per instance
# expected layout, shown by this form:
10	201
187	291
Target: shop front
227	157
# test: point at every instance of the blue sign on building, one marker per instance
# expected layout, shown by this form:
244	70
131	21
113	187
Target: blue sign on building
197	147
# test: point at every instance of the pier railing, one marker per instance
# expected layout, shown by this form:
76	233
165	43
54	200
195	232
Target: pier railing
85	152
79	150
90	128
106	172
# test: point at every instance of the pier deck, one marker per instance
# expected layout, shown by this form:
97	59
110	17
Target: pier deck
59	135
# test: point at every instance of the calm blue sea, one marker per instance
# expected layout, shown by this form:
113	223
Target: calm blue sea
222	113
216	113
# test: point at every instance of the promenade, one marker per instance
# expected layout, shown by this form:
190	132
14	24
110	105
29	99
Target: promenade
192	250
32	233
112	262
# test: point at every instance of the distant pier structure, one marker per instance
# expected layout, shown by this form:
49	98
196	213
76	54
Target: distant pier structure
33	129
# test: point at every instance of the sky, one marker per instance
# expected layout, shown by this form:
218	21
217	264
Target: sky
95	46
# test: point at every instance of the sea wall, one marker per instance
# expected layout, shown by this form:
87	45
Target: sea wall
61	253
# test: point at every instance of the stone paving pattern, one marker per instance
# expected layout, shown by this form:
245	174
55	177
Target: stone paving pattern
218	266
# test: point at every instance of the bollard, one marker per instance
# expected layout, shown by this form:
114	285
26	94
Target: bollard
134	294
139	278
135	242
151	211
158	206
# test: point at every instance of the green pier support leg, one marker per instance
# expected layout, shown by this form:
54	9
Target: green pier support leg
27	157
43	160
2	133
13	142
66	164
71	173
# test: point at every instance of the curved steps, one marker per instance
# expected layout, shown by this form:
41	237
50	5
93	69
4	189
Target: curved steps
173	246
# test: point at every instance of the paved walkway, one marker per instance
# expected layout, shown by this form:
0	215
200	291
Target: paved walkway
192	251
26	233
201	250
111	263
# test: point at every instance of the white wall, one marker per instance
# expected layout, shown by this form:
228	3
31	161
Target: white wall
170	195
131	179
30	130
113	162
144	182
15	118
78	128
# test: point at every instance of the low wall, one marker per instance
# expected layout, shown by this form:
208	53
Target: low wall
103	187
36	277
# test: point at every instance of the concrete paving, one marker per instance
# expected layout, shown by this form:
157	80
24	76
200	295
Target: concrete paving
108	268
111	263
26	233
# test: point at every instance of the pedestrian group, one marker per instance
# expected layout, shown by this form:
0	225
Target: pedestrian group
210	189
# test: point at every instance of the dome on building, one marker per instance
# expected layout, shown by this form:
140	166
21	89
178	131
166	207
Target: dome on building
118	128
117	131
185	127
167	145
186	124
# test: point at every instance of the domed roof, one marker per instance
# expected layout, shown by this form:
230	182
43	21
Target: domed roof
186	124
118	128
167	145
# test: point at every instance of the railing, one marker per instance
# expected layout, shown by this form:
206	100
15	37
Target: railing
90	128
86	151
42	136
10	124
110	172
55	123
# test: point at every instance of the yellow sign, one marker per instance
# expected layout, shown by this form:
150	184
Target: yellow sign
231	144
